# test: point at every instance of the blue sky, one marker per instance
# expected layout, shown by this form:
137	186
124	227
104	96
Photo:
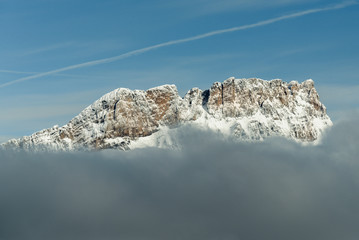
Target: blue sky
43	35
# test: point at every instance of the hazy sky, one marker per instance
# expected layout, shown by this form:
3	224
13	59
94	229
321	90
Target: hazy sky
40	36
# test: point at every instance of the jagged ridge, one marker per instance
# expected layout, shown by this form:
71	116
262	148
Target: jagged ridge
251	109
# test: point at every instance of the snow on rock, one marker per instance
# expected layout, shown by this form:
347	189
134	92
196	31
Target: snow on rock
250	109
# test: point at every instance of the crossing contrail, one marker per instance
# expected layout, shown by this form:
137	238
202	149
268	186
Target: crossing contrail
183	40
16	72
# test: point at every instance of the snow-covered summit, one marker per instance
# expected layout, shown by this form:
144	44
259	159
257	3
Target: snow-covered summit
251	109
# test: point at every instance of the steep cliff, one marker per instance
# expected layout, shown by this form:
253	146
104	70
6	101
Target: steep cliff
251	109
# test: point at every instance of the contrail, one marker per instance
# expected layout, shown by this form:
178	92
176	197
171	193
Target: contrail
16	72
183	40
22	72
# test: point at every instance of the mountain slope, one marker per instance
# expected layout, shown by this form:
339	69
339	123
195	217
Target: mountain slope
251	109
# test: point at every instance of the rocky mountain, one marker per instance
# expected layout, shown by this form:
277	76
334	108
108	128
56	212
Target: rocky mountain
250	109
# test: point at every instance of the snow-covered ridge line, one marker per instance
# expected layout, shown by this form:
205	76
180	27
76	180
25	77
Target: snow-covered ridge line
250	109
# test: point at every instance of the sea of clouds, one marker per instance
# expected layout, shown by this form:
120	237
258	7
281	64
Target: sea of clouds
213	188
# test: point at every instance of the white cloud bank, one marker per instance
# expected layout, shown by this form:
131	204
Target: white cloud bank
212	189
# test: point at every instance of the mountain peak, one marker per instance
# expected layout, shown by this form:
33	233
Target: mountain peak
251	109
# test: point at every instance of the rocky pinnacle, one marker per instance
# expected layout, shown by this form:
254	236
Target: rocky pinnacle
250	109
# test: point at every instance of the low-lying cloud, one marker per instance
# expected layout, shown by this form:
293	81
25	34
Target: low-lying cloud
213	188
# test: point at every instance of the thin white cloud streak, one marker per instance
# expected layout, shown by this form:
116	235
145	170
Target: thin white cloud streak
200	7
47	48
16	72
23	72
189	39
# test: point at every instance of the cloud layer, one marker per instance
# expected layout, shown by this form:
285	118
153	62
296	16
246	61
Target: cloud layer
214	188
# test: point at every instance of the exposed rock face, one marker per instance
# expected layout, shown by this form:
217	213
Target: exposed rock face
251	109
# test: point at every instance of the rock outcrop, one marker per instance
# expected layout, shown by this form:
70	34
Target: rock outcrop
251	109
